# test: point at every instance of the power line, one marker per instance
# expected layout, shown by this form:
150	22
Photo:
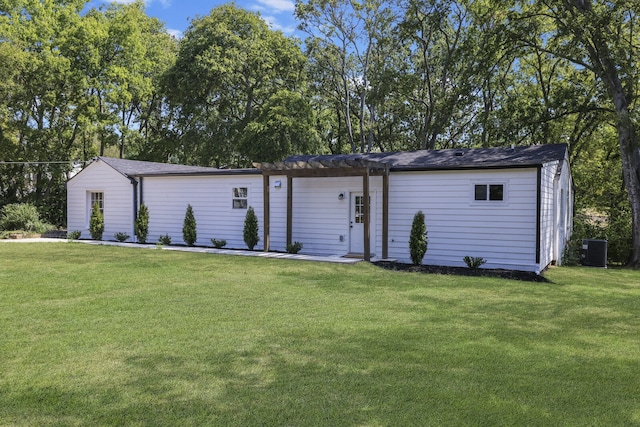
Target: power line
43	163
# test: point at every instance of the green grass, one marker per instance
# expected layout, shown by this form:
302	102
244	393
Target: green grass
108	336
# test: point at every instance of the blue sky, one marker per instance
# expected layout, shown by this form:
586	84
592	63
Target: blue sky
176	14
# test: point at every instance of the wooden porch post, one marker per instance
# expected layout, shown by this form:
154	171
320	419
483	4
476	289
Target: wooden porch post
266	218
385	215
289	208
365	211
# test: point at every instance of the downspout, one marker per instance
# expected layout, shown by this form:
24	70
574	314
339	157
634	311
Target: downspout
135	202
538	213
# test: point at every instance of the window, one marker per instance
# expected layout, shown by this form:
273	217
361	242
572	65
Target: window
240	197
97	197
359	209
490	192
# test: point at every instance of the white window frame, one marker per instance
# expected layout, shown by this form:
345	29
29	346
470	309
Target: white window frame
91	201
488	185
237	196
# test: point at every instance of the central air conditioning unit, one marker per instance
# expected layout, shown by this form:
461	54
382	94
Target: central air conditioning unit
594	253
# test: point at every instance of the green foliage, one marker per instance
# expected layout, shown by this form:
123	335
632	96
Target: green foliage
218	243
294	248
418	238
96	223
142	224
121	236
474	262
21	216
164	240
74	235
189	232
250	230
230	67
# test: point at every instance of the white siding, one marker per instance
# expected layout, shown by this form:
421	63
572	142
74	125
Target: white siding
502	233
563	206
210	196
319	217
118	200
547	213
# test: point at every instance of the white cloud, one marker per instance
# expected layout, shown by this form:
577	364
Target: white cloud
273	23
175	33
164	3
278	5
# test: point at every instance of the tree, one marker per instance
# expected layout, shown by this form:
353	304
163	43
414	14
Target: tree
250	231
189	233
229	68
96	222
142	223
418	239
600	37
284	125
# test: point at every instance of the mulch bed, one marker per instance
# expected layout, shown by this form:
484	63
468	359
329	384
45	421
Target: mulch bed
463	271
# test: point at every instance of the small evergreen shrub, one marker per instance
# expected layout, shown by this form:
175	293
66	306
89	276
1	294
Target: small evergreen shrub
121	237
189	234
142	224
22	216
250	230
218	243
294	248
74	235
418	239
96	223
474	262
164	240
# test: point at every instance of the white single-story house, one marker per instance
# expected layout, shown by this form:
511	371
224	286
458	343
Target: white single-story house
511	206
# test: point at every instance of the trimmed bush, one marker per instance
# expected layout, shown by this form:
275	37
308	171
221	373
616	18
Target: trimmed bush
74	235
121	237
142	224
218	243
164	240
250	230
96	223
23	217
418	239
294	248
474	262
189	234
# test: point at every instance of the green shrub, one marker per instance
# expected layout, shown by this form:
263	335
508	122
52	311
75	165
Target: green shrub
418	239
121	237
294	248
218	243
250	230
142	224
96	223
474	262
22	216
189	234
74	235
164	240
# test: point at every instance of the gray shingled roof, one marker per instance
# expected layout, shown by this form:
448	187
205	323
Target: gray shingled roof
465	158
132	168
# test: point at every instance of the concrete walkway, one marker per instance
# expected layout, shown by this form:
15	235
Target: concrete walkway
333	258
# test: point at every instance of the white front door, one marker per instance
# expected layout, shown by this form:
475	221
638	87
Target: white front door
356	224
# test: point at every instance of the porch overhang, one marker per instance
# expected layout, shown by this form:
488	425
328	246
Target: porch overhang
319	167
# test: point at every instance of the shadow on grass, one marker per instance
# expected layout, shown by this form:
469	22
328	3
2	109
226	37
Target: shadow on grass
385	376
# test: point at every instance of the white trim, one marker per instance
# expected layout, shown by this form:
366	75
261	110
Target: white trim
488	182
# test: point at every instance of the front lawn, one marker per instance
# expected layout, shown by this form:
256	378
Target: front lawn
111	336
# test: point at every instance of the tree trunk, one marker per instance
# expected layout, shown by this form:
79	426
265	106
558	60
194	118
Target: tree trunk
607	70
